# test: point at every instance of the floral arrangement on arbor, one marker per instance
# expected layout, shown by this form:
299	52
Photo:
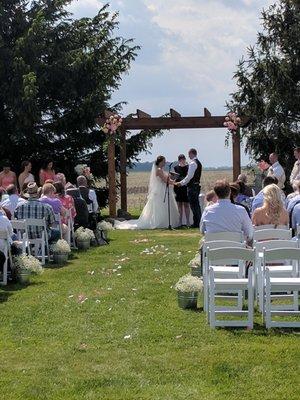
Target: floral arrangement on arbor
112	124
61	247
25	264
189	283
232	122
84	234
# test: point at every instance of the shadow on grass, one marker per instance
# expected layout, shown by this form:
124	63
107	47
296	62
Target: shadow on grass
8	291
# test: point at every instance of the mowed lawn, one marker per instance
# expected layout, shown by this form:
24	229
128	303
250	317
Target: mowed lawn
107	326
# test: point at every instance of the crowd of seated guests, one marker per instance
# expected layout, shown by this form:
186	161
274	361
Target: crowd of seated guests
53	200
224	212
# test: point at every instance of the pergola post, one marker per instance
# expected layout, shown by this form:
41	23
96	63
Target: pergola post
123	172
236	154
112	176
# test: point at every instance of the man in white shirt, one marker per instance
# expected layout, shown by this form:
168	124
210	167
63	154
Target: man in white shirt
5	225
276	170
225	216
192	181
295	174
13	200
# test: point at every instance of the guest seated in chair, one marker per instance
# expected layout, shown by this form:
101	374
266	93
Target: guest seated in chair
13	200
82	213
225	216
35	209
272	210
89	195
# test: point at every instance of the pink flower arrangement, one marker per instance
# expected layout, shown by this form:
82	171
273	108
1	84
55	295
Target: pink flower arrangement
232	121
112	124
263	165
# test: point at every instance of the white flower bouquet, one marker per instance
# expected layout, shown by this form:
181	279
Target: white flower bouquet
195	262
29	265
188	284
84	234
61	247
105	226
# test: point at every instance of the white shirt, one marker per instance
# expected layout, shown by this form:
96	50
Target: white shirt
277	171
295	174
12	202
226	217
5	225
191	172
93	207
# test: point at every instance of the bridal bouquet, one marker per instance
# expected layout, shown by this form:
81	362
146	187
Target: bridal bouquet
112	124
232	122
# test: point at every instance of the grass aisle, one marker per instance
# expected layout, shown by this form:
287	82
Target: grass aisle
107	326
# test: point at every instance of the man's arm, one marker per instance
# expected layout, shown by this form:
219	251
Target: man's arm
93	197
246	224
191	173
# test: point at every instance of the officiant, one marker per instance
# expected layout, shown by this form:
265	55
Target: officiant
181	195
192	181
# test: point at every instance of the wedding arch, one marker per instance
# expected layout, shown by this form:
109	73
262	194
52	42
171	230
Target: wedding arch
142	121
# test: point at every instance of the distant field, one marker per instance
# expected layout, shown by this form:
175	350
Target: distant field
138	186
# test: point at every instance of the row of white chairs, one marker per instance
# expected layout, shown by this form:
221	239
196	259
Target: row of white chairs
39	247
225	260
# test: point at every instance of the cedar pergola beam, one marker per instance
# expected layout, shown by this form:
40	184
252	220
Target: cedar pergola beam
170	123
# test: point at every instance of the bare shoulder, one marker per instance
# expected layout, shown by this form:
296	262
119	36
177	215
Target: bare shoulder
159	172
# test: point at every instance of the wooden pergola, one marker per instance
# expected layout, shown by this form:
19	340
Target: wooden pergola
144	121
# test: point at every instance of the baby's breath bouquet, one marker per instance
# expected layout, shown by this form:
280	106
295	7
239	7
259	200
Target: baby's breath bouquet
61	247
84	234
195	262
188	288
189	283
27	265
105	226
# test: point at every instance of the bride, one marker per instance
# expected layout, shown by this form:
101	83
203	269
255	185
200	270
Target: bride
155	212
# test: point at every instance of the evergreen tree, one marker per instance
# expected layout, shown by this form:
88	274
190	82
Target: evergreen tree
57	74
269	85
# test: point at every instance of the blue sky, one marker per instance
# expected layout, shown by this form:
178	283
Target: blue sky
190	49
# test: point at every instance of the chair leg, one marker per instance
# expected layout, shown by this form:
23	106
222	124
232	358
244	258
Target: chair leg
240	300
268	301
295	300
250	299
212	315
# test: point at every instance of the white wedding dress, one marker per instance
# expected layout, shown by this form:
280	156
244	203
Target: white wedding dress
155	212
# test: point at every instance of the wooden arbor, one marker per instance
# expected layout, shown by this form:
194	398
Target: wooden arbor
142	121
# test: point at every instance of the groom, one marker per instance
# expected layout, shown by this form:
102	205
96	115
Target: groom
192	181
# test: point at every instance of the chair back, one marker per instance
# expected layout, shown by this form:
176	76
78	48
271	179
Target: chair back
272	234
20	228
233	253
270	226
275	244
283	253
228	236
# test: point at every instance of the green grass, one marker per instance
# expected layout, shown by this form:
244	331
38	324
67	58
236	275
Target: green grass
55	347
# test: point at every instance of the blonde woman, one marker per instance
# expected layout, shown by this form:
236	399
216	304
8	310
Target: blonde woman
272	210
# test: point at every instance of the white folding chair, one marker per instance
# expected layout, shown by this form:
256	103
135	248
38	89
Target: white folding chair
272	234
284	256
281	284
270	226
58	222
231	285
226	265
231	236
4	237
40	245
70	236
281	269
222	267
21	230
